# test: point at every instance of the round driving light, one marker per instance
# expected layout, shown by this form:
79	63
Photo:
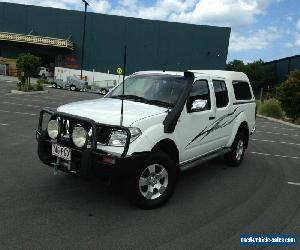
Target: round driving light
53	129
79	136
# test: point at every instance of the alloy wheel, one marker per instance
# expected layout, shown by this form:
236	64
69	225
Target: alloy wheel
239	150
153	181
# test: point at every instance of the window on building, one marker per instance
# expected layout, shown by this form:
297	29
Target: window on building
200	90
242	90
221	93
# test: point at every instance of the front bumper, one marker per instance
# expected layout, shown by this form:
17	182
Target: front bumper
89	163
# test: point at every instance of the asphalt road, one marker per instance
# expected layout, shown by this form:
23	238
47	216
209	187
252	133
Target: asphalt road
212	205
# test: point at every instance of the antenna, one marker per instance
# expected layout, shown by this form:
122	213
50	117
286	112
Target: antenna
124	72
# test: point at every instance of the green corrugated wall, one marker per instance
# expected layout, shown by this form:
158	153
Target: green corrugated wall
151	44
283	66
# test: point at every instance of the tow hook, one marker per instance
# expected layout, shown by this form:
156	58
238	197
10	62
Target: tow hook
55	167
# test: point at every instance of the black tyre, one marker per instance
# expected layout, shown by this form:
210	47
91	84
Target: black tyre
54	85
72	88
153	183
235	156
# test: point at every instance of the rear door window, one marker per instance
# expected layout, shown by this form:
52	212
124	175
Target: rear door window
221	93
242	90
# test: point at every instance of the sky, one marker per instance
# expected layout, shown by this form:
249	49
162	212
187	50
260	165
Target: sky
260	29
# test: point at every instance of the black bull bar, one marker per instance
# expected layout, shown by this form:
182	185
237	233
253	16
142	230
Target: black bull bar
78	119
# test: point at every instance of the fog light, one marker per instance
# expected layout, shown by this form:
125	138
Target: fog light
79	136
53	129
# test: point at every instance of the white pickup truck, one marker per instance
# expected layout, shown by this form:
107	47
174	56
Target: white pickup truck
45	72
171	121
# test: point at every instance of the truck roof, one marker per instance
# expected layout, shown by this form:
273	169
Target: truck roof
233	75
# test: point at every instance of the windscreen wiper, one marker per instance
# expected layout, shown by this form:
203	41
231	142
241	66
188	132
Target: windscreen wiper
144	100
160	103
131	97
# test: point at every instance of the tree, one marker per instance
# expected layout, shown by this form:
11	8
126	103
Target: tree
288	93
27	66
236	65
259	74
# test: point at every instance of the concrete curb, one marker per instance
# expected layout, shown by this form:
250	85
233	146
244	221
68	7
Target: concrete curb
9	78
279	121
17	92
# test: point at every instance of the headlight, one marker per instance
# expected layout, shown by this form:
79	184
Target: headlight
79	136
53	129
118	137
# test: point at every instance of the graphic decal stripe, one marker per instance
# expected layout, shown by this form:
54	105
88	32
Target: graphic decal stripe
214	126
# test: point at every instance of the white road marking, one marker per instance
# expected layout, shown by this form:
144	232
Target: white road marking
282	156
19	104
3	124
294	183
57	103
24	113
263	126
45	97
15	112
6	81
34	100
273	133
282	142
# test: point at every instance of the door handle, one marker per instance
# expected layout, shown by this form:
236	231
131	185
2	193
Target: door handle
212	118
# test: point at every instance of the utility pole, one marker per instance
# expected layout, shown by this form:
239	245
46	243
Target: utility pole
123	87
83	36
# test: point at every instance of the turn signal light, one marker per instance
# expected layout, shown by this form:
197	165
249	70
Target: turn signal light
108	160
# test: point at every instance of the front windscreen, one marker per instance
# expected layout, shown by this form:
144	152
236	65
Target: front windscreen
162	90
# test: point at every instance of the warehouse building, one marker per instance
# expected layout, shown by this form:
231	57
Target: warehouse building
56	36
284	66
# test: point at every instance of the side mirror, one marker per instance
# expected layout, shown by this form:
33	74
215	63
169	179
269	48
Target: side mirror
198	105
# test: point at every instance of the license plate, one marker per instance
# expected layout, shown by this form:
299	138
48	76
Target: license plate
61	151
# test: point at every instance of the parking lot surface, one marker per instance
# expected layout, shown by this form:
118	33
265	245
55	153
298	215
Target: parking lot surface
212	205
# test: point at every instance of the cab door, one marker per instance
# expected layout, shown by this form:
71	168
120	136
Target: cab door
224	115
195	138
